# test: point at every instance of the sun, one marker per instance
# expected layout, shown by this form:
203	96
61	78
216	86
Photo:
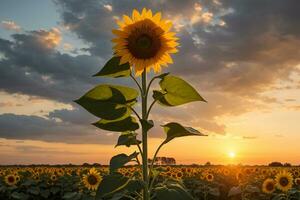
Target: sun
231	154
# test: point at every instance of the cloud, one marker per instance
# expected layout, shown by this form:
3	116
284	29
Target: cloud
33	66
23	127
108	7
11	25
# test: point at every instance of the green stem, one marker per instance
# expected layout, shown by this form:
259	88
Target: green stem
146	195
151	106
154	157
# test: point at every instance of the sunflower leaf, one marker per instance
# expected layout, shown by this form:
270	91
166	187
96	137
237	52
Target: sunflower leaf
111	184
113	69
119	125
172	190
175	91
174	130
108	102
120	160
128	139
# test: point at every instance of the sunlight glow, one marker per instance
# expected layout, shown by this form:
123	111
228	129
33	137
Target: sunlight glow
231	154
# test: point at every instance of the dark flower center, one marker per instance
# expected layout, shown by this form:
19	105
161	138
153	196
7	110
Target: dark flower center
284	181
270	186
11	179
144	41
92	180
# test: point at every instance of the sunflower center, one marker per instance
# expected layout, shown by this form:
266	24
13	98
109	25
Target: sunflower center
144	41
270	186
92	180
284	181
11	179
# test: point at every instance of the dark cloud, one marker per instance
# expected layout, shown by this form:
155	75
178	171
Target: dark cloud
38	128
31	68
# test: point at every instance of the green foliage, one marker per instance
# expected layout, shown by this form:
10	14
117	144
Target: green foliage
108	101
128	139
111	184
172	190
113	69
174	130
120	160
127	123
175	91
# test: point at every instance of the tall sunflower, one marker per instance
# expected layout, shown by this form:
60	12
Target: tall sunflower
284	181
145	41
92	179
268	186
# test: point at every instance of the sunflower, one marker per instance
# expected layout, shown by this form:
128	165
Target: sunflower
297	181
209	177
53	177
145	41
284	181
10	180
92	179
268	186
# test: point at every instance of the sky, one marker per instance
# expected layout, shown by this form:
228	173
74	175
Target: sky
242	56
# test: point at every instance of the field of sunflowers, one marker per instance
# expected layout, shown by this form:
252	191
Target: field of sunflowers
203	183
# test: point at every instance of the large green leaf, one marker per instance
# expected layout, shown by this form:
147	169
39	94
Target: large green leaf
120	160
108	101
119	125
174	130
175	91
172	191
111	184
113	69
128	139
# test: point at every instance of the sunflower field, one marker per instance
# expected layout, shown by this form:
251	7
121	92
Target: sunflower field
203	183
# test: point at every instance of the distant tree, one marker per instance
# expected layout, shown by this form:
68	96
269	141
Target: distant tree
208	164
287	165
85	164
275	164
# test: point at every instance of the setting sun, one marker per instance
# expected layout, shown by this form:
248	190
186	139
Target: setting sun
231	154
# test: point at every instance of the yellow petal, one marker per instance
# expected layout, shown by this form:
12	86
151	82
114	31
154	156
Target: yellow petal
149	14
136	15
120	23
157	68
119	33
167	58
173	50
144	11
156	18
166	25
127	20
124	59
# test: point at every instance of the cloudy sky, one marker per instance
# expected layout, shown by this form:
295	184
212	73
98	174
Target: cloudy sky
242	56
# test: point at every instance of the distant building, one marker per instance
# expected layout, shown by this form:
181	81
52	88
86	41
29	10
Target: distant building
164	161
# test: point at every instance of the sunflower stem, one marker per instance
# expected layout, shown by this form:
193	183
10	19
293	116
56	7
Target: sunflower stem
146	195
